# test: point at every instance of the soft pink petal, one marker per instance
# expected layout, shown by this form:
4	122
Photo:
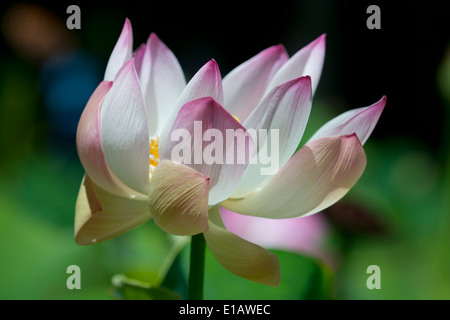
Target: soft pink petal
124	132
162	82
302	235
121	53
223	162
361	121
244	86
317	176
207	82
138	57
284	113
306	62
89	145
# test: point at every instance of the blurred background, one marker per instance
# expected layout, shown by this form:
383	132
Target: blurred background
396	217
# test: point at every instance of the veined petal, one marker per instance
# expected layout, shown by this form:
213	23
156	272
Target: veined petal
207	82
284	113
179	199
317	176
162	82
361	121
121	53
212	142
100	215
306	62
244	86
124	132
240	257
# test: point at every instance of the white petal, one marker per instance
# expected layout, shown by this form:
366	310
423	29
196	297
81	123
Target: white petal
121	53
284	113
306	62
317	176
162	82
361	121
124	132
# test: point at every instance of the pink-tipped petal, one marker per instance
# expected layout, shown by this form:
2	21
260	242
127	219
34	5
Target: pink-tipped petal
89	145
124	132
284	113
216	145
179	199
162	82
244	86
122	52
240	257
100	215
207	82
361	121
317	176
138	57
306	62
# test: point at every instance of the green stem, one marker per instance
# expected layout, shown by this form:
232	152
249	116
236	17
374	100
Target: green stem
197	267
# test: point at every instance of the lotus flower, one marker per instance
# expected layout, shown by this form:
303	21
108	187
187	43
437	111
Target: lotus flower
125	141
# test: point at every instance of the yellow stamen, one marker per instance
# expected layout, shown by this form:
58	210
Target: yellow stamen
154	156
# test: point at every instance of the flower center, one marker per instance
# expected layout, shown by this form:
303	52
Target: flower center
154	156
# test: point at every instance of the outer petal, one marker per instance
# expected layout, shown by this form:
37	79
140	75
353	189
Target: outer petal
226	164
284	113
244	86
207	82
100	215
306	62
124	131
162	82
240	257
362	121
122	52
179	199
317	176
89	145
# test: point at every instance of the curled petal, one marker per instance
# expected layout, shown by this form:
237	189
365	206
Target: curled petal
162	82
179	199
361	121
122	52
244	86
124	131
100	215
240	257
214	144
306	62
317	176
